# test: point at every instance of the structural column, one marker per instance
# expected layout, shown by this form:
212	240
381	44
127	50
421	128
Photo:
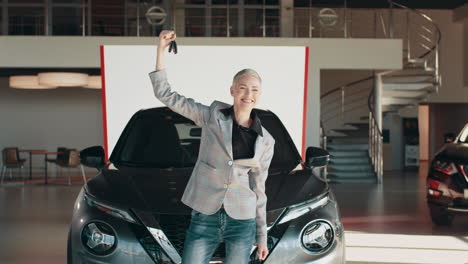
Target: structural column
179	18
378	88
241	19
286	18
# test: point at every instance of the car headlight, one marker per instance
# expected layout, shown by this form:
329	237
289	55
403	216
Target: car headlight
298	210
317	237
108	209
98	238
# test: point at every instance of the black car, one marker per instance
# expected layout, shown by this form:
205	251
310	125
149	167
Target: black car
131	212
447	182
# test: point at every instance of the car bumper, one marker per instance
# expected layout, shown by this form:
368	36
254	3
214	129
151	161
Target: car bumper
129	250
457	210
449	205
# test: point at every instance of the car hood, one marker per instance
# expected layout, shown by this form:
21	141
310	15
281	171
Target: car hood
160	190
457	152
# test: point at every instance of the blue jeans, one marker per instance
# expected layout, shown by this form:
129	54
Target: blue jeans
207	231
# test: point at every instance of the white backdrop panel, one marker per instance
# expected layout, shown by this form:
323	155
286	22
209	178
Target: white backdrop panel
205	74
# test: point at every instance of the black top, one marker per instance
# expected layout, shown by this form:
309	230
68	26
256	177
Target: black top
243	138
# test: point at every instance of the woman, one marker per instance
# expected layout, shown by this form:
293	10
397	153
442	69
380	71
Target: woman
227	187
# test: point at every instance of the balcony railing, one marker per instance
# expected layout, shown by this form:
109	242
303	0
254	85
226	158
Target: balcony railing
228	18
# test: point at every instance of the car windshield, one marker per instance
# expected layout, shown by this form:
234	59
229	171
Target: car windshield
167	140
161	143
463	138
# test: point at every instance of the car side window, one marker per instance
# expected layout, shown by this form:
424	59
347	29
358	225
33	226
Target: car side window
189	138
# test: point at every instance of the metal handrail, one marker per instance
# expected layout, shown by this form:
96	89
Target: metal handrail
439	34
375	134
433	48
355	91
346	86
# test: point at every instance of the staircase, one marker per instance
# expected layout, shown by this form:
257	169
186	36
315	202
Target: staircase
350	161
351	118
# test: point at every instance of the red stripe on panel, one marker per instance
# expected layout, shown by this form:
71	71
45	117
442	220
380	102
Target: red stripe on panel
304	114
103	99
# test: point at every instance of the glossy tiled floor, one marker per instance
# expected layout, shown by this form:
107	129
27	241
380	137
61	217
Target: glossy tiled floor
390	223
386	223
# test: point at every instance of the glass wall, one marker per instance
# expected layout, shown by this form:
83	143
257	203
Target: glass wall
26	1
253	22
107	18
231	18
24	20
195	22
67	20
197	18
40	17
136	22
1	21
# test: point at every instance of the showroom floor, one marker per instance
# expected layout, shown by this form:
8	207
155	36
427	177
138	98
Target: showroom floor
386	223
390	223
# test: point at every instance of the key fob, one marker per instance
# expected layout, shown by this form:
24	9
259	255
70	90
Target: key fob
173	47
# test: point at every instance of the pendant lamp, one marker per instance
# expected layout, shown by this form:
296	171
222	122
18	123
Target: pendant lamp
63	79
27	82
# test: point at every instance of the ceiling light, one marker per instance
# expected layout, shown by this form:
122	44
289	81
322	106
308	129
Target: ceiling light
27	82
64	79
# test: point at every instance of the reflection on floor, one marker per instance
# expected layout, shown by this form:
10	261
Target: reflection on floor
16	178
384	224
390	223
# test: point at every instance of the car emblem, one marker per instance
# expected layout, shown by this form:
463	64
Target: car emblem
156	15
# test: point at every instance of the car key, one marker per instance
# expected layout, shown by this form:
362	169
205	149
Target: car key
173	47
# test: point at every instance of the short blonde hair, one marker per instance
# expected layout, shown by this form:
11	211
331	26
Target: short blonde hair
244	72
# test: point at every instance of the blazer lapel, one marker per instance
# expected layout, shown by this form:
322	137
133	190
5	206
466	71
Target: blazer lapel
225	122
259	147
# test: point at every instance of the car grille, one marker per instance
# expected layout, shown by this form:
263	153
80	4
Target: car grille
151	247
274	236
175	228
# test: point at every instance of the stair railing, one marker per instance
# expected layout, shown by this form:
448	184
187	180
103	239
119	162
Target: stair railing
336	103
323	143
422	37
338	96
430	55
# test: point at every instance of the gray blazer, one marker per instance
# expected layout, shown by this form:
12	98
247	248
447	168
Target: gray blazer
217	178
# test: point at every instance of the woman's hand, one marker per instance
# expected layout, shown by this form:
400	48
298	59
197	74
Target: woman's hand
262	251
165	38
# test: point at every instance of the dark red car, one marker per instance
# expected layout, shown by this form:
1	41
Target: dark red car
447	182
